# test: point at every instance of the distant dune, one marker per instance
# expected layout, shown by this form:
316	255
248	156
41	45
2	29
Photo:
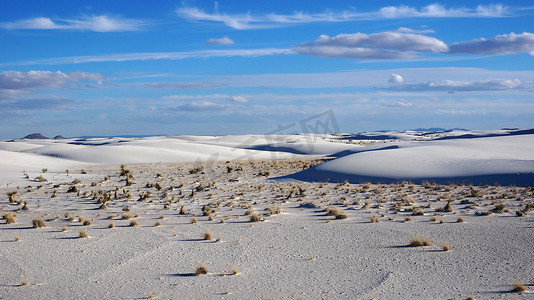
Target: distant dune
477	157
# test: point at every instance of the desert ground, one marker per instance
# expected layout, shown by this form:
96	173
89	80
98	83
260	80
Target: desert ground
368	216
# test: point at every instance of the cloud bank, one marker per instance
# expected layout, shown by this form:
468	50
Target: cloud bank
460	86
222	41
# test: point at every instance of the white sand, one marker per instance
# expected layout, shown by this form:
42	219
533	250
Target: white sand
300	253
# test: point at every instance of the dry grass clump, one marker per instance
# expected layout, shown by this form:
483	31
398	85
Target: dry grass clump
202	269
254	217
460	220
10	218
519	287
420	241
193	220
133	223
334	211
38	223
158	223
83	234
234	271
432	219
374	219
87	222
407	219
111	225
64	228
127	216
208	236
16	238
445	247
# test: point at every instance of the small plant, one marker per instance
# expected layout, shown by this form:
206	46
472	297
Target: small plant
460	220
44	170
83	234
201	270
254	217
407	219
111	225
445	247
16	238
433	219
208	236
40	178
158	223
193	220
420	241
87	222
519	287
10	218
127	216
38	223
374	219
133	223
64	228
234	271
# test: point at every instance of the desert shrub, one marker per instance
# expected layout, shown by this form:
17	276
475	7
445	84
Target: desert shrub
420	241
133	223
83	234
87	222
10	218
208	236
254	217
519	287
445	247
38	223
202	269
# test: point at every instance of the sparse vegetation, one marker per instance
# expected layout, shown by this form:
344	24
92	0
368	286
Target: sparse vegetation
519	287
10	218
420	242
38	223
83	234
202	269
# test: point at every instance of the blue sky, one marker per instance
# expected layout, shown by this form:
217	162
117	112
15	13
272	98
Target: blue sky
233	67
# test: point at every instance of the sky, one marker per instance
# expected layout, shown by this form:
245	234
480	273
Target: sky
107	68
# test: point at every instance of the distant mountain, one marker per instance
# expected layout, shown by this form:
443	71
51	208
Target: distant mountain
59	137
35	136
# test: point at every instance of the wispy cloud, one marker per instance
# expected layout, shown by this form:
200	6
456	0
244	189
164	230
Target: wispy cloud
15	80
180	85
197	106
504	44
383	45
155	56
460	86
101	23
249	21
222	41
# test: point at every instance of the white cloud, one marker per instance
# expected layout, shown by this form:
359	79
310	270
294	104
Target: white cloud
15	80
501	45
383	45
460	86
248	21
179	85
197	106
222	41
100	23
239	99
396	78
397	104
156	56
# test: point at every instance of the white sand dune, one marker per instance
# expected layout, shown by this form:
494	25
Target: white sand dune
498	156
486	160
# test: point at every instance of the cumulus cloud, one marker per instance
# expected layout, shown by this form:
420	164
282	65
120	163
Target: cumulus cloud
100	23
460	86
396	78
249	21
383	45
504	44
222	41
240	99
15	80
